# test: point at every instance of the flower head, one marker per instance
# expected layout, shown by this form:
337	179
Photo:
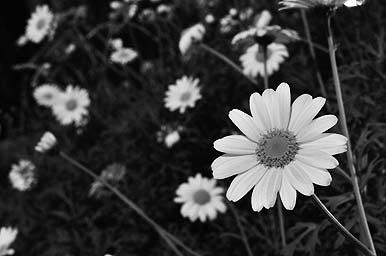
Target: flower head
47	94
183	94
123	55
113	174
22	175
40	24
46	143
7	237
190	36
283	149
354	3
168	135
201	199
253	59
72	106
305	4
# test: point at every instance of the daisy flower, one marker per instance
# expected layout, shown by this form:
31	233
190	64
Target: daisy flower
40	24
184	93
123	55
354	3
200	199
305	4
22	175
190	36
46	143
7	237
72	106
253	59
283	149
169	136
47	94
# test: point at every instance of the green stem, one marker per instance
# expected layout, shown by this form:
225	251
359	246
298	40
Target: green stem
366	251
343	122
168	237
281	222
265	57
227	61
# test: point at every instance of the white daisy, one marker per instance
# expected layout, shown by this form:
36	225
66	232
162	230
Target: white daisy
46	143
72	106
7	237
169	136
190	36
305	4
47	94
123	55
200	199
253	59
184	93
22	175
40	24
284	149
354	3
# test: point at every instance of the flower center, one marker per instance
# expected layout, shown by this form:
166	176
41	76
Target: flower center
71	104
185	96
40	24
201	197
277	148
48	96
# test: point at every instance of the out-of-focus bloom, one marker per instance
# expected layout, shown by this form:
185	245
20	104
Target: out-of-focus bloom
46	143
47	94
253	59
183	94
209	18
116	43
147	15
284	149
169	135
40	24
7	237
305	4
123	55
227	23
190	36
115	5
246	14
164	10
200	199
113	174
70	49
72	106
22	40
22	175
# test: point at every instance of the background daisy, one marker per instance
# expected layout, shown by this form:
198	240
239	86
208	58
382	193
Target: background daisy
22	175
123	55
190	36
47	94
7	237
40	24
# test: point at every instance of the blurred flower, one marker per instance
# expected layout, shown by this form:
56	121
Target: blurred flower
46	143
40	24
147	15
47	94
168	135
305	4
184	93
7	237
164	10
209	18
253	59
115	5
227	23
22	175
284	149
70	49
246	14
71	107
123	55
113	174
354	3
200	198
190	36
233	12
116	43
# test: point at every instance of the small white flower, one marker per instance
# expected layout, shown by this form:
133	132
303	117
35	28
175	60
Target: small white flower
191	36
233	12
116	43
200	199
22	40
115	5
209	18
40	24
183	94
7	237
46	143
164	9
169	135
172	138
72	106
70	49
305	4
253	59
123	55
47	94
22	175
354	3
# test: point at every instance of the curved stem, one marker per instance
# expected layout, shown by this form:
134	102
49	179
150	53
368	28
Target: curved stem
366	251
349	153
265	57
281	222
168	237
226	60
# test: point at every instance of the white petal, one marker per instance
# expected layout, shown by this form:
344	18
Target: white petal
259	193
287	193
273	187
284	99
245	123
245	182
235	144
330	143
297	109
317	158
318	176
259	112
271	103
299	179
316	127
308	113
229	165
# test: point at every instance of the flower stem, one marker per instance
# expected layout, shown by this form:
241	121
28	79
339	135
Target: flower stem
227	61
168	237
366	251
349	153
265	56
281	222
